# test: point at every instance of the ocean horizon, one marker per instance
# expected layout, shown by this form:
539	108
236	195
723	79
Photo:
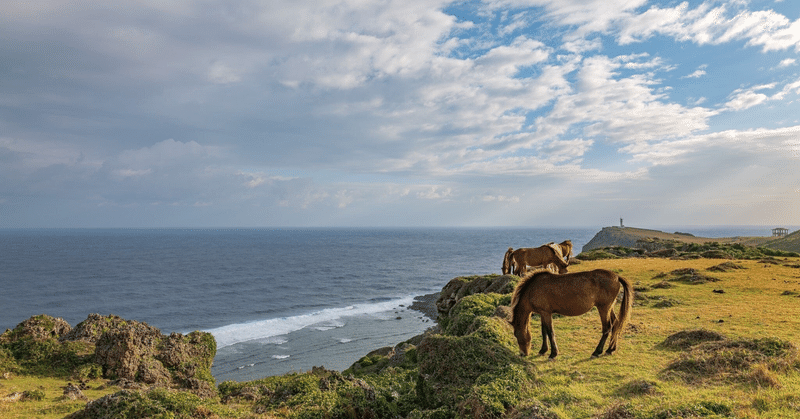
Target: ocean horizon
275	299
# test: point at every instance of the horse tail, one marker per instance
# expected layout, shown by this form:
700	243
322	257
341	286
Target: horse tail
507	261
624	310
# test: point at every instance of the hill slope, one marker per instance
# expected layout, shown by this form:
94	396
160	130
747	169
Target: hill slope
789	243
639	238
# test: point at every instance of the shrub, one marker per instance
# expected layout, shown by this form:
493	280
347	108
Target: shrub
157	403
37	395
464	312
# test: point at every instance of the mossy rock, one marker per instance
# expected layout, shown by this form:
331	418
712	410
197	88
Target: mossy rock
460	287
41	327
319	393
495	393
45	357
449	366
155	403
464	312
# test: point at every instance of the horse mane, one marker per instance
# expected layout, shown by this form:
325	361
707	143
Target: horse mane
520	289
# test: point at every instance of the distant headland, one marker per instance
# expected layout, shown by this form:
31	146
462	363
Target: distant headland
652	239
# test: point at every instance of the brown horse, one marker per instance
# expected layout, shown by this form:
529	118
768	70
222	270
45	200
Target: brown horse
517	261
572	294
566	249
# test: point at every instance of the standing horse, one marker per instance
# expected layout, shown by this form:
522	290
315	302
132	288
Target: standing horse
517	261
572	294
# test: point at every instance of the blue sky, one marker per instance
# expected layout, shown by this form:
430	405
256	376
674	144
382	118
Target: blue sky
399	113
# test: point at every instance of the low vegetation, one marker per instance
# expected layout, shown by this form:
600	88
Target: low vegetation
707	338
673	249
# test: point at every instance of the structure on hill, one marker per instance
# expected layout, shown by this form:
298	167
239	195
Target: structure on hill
780	232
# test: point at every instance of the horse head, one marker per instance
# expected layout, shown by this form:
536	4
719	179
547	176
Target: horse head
523	335
507	261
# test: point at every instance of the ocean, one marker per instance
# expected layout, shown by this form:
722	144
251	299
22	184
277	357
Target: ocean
276	300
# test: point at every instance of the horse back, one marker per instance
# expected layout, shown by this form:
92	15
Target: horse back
576	293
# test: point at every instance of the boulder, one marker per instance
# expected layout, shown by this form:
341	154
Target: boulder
41	327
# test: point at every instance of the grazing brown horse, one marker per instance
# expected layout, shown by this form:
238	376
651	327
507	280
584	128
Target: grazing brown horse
517	261
572	294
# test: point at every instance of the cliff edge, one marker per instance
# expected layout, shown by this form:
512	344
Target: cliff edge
648	239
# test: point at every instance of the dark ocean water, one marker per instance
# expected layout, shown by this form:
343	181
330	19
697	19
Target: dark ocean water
276	300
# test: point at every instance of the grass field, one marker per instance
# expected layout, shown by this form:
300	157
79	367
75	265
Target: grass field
701	342
758	301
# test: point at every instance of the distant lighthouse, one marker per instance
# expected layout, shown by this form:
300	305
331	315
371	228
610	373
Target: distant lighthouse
620	223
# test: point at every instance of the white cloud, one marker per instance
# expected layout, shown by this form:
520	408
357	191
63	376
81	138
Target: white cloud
530	93
706	24
435	192
742	99
620	109
700	72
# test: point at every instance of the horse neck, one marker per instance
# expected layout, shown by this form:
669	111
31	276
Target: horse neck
521	310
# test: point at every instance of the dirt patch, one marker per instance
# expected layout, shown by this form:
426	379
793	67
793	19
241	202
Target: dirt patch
688	338
725	267
662	285
690	276
666	303
748	360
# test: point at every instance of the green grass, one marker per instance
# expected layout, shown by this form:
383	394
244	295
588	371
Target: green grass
707	354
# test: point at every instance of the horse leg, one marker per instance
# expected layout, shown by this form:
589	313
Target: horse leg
605	314
544	339
547	327
612	346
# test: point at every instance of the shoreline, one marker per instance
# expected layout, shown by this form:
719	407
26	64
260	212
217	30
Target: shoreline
426	304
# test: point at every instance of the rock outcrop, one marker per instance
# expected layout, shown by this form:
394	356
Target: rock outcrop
461	287
39	327
130	351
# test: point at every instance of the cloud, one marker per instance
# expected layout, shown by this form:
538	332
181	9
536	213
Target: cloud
707	24
700	72
339	110
747	98
742	99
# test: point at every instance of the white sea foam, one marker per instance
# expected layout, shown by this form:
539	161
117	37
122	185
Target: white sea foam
269	328
345	340
280	356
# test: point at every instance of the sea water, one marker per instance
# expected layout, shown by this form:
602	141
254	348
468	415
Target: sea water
276	300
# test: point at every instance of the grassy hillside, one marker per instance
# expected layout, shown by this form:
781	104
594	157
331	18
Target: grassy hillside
707	338
789	243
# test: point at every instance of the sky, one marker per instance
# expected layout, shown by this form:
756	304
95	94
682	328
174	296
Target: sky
395	113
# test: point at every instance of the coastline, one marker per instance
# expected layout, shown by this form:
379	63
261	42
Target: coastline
426	304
